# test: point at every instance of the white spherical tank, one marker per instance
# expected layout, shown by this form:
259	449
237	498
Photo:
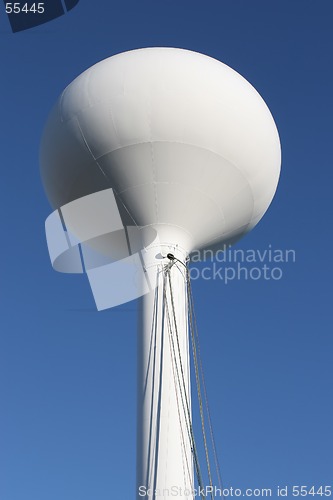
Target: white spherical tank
183	147
187	144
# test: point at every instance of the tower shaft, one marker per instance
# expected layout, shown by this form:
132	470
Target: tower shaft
164	457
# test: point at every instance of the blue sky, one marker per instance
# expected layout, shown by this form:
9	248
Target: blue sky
67	372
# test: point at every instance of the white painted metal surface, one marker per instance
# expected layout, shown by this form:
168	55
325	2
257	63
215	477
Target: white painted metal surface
186	143
191	151
164	457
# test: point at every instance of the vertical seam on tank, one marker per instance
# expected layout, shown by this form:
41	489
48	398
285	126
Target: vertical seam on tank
115	130
61	104
104	173
87	84
152	158
90	152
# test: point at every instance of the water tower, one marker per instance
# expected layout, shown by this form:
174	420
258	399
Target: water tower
147	156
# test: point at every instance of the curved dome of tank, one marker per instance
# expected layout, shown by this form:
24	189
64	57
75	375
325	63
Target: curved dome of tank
188	146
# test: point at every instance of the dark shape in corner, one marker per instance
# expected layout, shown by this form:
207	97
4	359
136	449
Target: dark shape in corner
36	13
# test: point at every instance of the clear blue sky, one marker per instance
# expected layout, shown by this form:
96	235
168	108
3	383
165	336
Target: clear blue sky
67	372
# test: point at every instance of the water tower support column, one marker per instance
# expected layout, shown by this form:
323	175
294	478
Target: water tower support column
164	458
